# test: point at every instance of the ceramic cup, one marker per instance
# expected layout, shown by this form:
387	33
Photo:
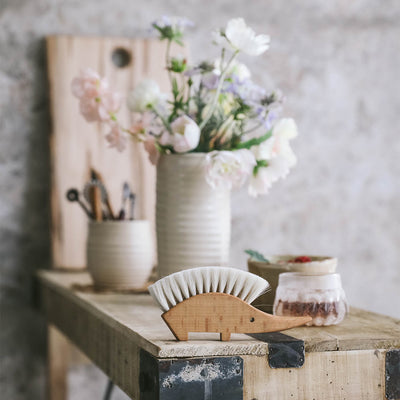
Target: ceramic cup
120	254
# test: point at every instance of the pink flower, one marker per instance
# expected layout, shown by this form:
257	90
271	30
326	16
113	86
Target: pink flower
88	84
89	108
109	104
142	125
97	101
150	147
117	137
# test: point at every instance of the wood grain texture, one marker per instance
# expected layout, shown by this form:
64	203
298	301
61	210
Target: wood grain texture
224	314
57	364
331	375
76	145
139	318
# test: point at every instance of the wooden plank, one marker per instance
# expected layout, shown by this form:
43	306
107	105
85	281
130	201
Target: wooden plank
77	145
336	375
360	330
109	349
138	317
57	364
135	317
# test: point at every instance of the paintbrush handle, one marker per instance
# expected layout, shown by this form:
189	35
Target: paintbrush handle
95	197
132	198
99	177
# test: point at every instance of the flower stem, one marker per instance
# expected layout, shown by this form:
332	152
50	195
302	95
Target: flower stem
219	88
167	60
259	125
163	120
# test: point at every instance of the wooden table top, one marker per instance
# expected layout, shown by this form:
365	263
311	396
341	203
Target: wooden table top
138	318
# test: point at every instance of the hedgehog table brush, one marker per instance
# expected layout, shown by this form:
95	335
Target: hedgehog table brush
216	299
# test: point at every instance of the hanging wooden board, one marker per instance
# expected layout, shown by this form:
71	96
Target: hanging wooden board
77	145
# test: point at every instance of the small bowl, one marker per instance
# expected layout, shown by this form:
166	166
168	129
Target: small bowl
278	264
318	265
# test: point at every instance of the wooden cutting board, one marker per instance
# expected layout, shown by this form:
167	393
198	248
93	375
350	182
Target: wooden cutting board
77	145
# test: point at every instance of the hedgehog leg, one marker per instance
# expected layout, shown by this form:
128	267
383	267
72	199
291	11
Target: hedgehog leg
225	336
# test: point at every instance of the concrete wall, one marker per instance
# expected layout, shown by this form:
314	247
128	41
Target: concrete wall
338	64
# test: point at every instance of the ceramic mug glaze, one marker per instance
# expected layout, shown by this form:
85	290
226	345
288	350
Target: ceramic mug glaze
193	219
120	254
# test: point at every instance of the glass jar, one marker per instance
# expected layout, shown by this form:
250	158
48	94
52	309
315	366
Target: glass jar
319	296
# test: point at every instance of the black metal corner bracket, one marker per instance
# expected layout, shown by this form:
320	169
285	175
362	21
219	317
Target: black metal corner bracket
192	378
283	351
392	374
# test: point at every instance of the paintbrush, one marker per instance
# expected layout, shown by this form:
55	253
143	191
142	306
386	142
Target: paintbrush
96	176
126	191
73	196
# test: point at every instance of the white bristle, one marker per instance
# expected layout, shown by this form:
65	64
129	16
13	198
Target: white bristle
190	281
180	280
214	274
239	283
223	279
179	286
158	294
166	287
198	278
206	279
175	290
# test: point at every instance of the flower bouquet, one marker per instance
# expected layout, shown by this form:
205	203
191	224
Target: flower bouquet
216	131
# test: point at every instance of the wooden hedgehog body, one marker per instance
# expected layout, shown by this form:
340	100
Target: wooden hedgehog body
224	314
216	299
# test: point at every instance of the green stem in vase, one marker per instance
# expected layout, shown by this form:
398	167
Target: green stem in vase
219	88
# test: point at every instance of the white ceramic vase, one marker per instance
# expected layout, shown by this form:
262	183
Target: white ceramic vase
120	254
193	219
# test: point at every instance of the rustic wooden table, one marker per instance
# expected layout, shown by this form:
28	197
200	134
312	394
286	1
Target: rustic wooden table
124	335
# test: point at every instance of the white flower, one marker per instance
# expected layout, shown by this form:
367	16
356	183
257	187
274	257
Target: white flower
145	95
229	169
261	182
286	128
283	131
218	37
277	154
185	135
240	71
176	23
236	69
244	39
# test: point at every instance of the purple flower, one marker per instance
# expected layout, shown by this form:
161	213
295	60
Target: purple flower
246	89
210	80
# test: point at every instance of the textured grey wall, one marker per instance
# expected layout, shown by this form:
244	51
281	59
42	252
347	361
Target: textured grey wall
337	62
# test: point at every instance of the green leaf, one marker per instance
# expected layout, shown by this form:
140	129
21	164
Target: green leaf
260	164
255	141
255	255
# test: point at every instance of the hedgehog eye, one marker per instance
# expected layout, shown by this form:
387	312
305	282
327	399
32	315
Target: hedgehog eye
252	319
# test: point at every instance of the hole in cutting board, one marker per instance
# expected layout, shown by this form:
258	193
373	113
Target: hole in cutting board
121	57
